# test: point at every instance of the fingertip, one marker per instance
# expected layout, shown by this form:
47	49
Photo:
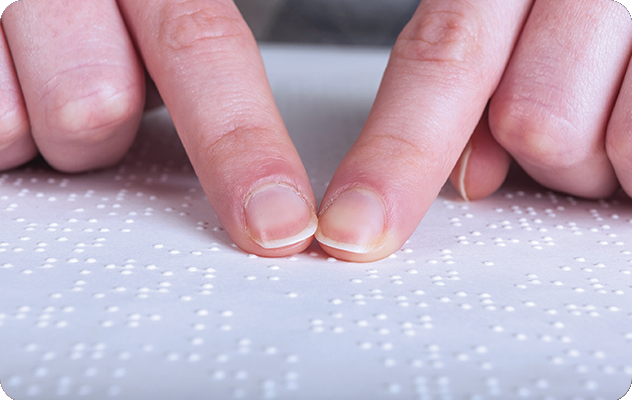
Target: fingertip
483	165
353	221
252	247
275	220
278	216
354	226
388	246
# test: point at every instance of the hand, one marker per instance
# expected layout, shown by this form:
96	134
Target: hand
77	94
446	65
553	70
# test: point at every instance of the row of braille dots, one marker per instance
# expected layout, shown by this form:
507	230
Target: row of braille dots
404	301
442	388
524	225
599	218
274	277
244	346
406	327
485	301
493	383
213	248
572	353
398	280
180	164
149	211
407	252
39	195
494	387
594	282
64	388
37	176
51	181
603	228
134	319
79	351
142	292
41	246
268	387
434	358
500	242
44	319
456	221
552	197
128	267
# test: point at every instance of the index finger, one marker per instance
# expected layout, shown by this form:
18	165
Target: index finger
443	69
207	68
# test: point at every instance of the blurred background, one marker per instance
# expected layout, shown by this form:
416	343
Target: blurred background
351	22
348	22
356	22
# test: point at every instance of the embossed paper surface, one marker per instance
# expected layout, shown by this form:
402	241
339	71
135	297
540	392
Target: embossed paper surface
121	283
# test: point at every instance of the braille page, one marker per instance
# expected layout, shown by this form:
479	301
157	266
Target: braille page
122	284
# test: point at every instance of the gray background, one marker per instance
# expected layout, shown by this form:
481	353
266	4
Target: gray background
356	22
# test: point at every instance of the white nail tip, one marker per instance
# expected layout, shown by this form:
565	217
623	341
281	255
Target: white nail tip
351	248
465	158
306	233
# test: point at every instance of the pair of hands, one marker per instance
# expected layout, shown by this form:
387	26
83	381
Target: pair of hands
73	89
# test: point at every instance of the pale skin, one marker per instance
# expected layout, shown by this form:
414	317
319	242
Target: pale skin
556	75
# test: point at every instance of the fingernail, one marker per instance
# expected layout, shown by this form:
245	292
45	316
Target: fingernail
277	216
463	161
353	222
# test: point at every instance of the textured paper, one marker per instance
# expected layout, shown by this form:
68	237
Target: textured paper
121	283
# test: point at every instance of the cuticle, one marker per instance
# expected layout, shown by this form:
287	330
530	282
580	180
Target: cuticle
344	189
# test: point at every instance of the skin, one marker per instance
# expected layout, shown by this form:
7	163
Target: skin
469	86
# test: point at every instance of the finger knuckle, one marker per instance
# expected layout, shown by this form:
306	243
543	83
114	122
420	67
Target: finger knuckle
93	117
16	144
534	134
186	23
14	123
619	147
451	34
